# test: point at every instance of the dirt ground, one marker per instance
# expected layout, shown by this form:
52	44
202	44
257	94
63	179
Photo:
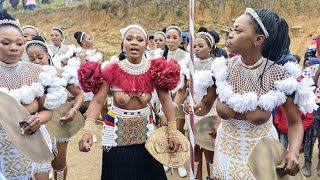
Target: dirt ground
87	166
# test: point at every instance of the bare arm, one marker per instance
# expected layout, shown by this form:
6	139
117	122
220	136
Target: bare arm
204	106
98	101
78	100
295	135
168	110
178	99
77	94
166	102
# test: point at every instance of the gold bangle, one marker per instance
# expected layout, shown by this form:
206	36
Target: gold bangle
175	104
89	126
74	109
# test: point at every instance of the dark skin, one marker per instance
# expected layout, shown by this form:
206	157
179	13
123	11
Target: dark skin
202	51
246	42
38	55
11	49
134	45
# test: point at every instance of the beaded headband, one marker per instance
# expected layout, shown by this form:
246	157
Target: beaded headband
174	27
31	27
81	37
123	31
208	37
58	29
12	23
160	32
255	16
36	42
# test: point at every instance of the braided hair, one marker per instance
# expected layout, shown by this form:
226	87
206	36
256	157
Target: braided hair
38	41
278	42
276	47
8	21
79	36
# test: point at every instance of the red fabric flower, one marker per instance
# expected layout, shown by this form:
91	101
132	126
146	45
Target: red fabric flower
165	74
89	76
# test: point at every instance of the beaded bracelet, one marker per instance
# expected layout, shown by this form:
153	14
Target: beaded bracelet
89	126
172	129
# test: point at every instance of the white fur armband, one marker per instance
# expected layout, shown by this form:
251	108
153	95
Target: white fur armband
202	81
305	97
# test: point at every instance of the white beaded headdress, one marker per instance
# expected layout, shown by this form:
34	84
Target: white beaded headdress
36	42
160	32
174	27
58	29
81	37
208	37
12	23
31	27
123	31
255	16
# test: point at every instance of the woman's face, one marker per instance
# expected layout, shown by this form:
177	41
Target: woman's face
29	33
173	39
87	41
242	36
201	48
160	41
134	44
38	55
11	45
56	37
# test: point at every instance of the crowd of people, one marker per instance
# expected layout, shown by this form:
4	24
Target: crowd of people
255	89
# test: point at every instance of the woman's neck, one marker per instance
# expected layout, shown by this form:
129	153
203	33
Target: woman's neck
135	60
251	58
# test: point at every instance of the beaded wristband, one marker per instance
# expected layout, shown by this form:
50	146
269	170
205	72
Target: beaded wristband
172	129
89	126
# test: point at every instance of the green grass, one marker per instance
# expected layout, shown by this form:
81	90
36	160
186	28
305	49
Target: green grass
56	4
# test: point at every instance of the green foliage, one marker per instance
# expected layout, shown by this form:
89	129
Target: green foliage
179	10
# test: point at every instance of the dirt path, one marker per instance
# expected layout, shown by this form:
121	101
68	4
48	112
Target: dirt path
87	166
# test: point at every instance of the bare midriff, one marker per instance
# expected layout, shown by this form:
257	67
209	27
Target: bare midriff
256	117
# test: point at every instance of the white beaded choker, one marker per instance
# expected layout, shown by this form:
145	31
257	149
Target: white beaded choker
258	63
135	69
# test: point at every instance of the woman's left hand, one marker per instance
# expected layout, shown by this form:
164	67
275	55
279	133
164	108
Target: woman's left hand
174	144
68	117
289	164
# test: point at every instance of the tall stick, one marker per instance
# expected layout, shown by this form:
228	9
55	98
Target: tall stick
191	88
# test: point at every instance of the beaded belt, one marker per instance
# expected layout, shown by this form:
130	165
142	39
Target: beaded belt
124	112
126	127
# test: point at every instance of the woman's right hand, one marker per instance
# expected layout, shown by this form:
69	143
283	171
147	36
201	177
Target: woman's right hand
30	125
85	142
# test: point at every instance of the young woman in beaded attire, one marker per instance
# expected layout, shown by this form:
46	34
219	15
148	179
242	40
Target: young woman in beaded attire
28	33
248	87
203	84
37	51
173	39
57	47
33	86
131	81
